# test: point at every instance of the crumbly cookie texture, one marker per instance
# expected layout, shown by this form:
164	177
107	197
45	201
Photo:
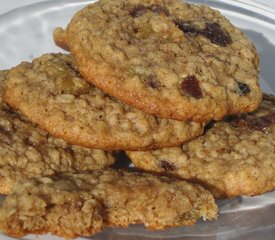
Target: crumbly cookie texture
27	151
234	157
51	93
166	57
3	78
74	205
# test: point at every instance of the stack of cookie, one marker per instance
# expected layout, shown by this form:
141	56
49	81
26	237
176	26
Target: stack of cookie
174	85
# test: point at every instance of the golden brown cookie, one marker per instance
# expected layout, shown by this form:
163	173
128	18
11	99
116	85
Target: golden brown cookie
166	57
51	93
59	37
27	151
73	205
233	157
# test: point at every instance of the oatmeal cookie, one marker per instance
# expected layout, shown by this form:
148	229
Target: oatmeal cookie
27	151
73	205
51	93
166	57
233	157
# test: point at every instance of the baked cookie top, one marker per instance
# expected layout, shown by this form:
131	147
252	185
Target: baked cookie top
166	57
27	151
233	157
74	205
51	93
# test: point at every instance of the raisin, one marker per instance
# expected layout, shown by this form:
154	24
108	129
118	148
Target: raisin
212	31
167	166
140	10
240	121
263	122
250	122
216	35
244	89
260	123
190	86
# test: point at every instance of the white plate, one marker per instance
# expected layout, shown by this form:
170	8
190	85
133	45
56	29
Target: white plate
26	33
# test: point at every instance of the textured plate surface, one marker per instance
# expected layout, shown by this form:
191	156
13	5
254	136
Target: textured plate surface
26	33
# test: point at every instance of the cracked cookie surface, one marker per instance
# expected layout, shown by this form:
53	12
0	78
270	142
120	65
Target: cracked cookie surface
166	57
234	157
27	151
51	93
72	205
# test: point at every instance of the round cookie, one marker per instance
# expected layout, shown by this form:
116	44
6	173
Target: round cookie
234	157
27	151
51	93
72	205
166	57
